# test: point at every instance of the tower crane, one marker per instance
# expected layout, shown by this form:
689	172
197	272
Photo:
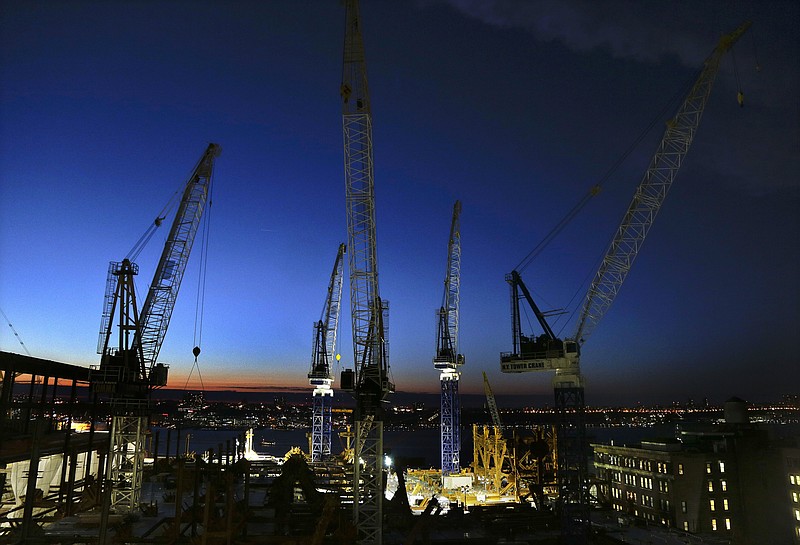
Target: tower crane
129	372
447	359
369	381
547	352
321	375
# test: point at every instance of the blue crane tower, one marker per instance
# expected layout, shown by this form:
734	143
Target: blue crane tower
447	359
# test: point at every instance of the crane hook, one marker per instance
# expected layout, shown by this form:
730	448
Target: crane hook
196	352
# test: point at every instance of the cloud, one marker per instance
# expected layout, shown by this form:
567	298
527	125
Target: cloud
627	29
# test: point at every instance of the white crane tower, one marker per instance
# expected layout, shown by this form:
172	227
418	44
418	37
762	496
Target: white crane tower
563	356
369	381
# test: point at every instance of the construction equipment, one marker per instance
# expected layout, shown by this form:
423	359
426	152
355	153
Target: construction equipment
321	374
550	353
369	381
447	359
490	401
129	372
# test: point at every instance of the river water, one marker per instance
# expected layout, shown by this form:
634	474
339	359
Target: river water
420	448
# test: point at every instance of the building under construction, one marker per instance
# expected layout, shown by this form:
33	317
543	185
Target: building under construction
54	428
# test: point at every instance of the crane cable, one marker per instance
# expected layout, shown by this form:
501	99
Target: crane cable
597	187
201	292
739	93
134	252
25	348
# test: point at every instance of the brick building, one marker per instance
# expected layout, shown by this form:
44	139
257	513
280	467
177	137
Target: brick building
729	480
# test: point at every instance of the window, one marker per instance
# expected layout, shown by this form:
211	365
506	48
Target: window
727	524
685	526
710	486
713	524
723	485
797	514
791	479
712	505
794	497
708	467
683	506
680	469
722	467
725	504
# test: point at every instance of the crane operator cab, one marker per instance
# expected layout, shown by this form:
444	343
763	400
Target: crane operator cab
541	353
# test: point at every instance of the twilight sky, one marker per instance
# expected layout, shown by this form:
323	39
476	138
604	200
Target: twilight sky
514	107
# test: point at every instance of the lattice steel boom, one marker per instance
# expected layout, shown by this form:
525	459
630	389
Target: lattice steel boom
650	193
320	376
160	301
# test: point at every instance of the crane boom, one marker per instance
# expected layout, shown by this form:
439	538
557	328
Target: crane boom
447	355
326	328
160	300
650	193
487	389
320	376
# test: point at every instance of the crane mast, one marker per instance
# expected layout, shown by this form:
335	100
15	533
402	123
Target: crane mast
447	358
321	375
568	382
370	378
128	373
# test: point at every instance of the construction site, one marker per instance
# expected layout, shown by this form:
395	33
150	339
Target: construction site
79	462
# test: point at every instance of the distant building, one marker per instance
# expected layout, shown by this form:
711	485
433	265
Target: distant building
727	480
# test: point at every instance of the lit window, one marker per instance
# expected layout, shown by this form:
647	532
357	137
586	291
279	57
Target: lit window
685	525
712	505
791	479
727	524
710	486
708	468
794	497
723	486
683	506
797	514
725	504
713	524
680	469
722	467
